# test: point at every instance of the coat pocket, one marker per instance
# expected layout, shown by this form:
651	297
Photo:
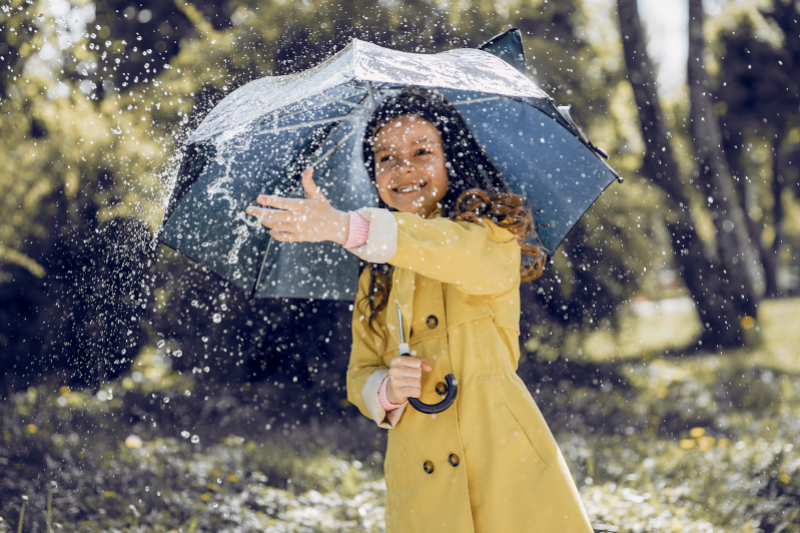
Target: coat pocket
520	436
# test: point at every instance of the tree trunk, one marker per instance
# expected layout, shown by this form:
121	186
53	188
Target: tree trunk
701	273
778	184
737	254
748	201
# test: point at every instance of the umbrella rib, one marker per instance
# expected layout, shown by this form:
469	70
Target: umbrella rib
316	122
274	118
263	265
371	95
477	100
338	101
355	129
338	144
274	115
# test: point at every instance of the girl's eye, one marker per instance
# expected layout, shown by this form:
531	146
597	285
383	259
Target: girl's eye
385	158
423	151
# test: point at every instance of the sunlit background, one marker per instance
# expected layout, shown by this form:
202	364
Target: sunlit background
142	393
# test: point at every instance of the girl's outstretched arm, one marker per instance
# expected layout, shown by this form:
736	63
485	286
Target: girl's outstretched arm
476	258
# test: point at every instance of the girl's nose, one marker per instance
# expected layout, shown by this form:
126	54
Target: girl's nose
405	165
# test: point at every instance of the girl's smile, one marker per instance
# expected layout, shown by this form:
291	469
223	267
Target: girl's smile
410	168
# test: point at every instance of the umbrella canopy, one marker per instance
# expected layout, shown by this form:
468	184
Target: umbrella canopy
261	136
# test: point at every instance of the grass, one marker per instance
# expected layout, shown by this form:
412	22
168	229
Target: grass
701	443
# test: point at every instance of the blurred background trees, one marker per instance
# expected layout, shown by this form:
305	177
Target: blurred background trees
98	96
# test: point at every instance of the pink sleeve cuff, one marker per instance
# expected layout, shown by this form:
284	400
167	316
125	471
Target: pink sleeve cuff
359	231
384	399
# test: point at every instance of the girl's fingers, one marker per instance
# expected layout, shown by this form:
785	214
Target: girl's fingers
410	362
406	384
415	370
405	372
403	392
283	236
278	202
406	393
271	213
280	227
312	191
269	217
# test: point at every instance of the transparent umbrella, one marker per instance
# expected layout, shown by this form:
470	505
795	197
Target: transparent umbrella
260	137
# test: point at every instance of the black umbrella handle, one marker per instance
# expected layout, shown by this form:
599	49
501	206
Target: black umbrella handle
432	409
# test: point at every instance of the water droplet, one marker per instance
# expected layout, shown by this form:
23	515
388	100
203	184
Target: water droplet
160	344
185	434
195	439
177	353
217	318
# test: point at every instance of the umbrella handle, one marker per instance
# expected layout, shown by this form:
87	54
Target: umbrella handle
432	409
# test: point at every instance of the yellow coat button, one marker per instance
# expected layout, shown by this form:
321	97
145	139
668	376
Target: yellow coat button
432	321
427	466
453	459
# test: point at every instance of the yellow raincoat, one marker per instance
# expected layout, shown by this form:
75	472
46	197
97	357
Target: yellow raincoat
489	463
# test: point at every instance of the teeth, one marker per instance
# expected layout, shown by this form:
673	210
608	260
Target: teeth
409	188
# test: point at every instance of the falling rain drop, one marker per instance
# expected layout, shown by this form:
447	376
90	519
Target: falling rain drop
217	318
195	439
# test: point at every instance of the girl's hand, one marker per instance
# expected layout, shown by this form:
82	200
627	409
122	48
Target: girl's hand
299	220
405	378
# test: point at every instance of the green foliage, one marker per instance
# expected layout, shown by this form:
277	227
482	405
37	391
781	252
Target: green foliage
85	140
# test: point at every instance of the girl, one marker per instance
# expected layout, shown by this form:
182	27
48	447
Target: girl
446	245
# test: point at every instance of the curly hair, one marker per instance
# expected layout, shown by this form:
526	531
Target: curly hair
476	190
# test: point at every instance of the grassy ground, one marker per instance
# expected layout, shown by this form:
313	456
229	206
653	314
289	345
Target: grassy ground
701	443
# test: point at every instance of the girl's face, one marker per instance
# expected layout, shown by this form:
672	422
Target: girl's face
410	168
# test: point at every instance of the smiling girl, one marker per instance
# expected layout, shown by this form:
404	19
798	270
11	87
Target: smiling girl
446	245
